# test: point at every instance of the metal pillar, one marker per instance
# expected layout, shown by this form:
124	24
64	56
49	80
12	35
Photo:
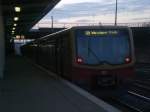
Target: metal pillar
116	12
52	24
2	49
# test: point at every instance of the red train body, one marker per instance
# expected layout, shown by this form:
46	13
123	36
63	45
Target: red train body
86	55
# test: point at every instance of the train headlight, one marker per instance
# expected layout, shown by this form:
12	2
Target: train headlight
127	60
79	60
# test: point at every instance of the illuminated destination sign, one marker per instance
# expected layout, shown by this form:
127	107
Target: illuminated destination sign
100	33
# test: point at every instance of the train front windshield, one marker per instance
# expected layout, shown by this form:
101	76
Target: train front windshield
102	46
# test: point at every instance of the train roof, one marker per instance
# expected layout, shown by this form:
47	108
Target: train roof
84	27
79	27
106	26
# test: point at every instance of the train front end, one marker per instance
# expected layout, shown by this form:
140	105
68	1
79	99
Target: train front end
102	55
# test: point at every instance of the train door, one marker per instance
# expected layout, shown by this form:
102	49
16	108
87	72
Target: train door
59	56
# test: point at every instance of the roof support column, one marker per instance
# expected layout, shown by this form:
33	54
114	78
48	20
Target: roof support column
2	49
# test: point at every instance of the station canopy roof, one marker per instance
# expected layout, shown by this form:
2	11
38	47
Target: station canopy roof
31	12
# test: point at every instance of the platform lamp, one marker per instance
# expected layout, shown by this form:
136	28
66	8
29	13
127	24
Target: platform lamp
17	9
12	32
15	25
116	11
16	18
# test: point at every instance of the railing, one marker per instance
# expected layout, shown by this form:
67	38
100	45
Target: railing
66	25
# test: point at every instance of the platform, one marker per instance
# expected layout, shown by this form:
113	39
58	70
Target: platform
26	88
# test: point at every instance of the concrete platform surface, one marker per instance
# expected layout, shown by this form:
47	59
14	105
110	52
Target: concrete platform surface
26	88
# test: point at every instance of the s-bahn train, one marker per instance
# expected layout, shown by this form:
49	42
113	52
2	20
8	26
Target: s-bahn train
86	54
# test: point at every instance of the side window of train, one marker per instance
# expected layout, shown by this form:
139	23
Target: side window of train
63	40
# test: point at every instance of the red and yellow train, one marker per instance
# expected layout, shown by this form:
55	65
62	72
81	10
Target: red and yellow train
87	54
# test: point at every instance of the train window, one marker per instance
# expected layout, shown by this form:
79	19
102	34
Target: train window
103	46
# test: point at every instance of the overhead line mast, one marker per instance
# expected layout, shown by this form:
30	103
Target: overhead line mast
116	11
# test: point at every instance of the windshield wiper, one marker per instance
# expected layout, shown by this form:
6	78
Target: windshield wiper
89	49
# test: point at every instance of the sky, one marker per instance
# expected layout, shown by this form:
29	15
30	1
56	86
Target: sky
75	12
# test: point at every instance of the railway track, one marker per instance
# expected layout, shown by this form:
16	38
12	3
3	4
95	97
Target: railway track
126	101
142	85
142	68
135	98
134	101
143	81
